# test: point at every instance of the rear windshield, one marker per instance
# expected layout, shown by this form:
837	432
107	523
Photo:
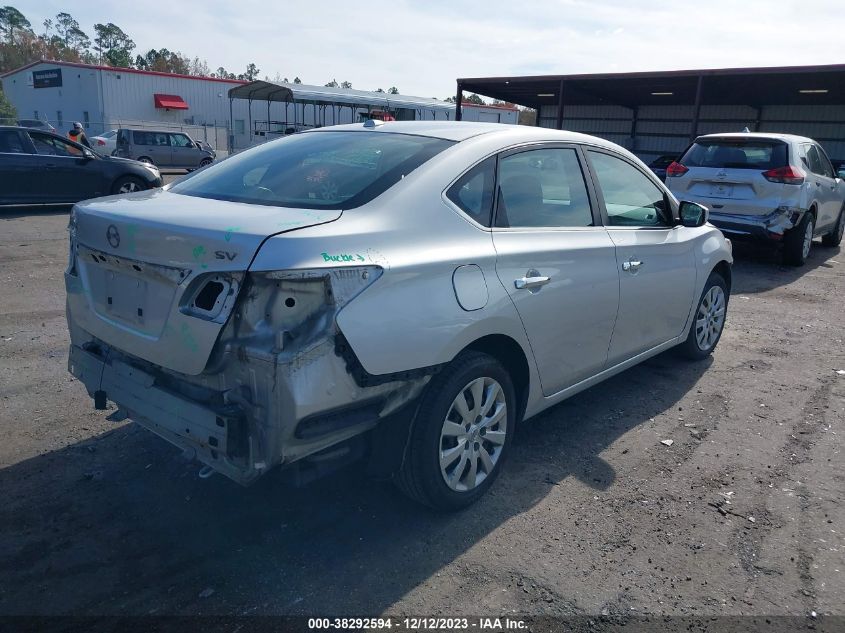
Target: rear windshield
317	170
736	154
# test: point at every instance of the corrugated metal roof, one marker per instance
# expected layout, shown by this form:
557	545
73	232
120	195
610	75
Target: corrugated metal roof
346	96
119	69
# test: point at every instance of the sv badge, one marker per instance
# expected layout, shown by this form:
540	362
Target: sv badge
225	255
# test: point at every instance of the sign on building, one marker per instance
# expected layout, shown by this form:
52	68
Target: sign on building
47	78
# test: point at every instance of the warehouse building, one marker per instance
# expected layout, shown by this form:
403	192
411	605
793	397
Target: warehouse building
660	113
229	114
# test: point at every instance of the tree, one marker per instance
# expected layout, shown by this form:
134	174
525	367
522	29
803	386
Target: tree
297	80
527	116
251	73
199	68
379	89
8	114
474	98
346	84
332	84
13	21
71	35
393	91
113	45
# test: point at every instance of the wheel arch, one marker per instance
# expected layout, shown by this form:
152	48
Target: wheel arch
513	358
724	270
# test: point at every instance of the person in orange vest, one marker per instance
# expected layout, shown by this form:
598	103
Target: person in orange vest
77	133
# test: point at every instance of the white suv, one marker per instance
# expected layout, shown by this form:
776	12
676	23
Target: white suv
773	187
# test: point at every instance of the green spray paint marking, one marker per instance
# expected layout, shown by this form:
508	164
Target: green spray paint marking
229	232
188	338
199	253
342	257
130	234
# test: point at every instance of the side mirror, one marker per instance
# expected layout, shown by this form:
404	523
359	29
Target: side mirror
692	214
87	154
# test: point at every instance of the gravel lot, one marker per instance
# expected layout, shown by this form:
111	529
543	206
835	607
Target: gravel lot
593	514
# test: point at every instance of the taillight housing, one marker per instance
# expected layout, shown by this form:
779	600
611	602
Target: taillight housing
675	169
787	175
100	141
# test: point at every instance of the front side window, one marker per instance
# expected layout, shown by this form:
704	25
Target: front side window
317	170
818	162
630	197
542	188
473	192
180	140
52	146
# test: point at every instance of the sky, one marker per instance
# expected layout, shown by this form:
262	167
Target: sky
422	47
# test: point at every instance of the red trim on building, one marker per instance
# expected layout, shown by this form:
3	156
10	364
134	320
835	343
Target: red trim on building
464	104
117	69
170	102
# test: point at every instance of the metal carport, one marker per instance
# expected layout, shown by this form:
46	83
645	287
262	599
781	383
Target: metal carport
653	113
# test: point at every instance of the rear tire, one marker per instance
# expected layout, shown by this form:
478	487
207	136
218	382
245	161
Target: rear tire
835	236
128	184
708	320
453	457
798	241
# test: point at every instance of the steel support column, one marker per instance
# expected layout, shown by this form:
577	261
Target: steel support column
697	109
459	99
559	123
635	111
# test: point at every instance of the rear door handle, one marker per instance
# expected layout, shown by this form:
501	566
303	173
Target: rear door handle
632	265
526	283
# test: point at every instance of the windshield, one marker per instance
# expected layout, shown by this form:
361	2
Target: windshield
316	170
736	154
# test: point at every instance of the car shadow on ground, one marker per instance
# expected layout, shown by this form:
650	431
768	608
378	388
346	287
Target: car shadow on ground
120	523
759	267
14	213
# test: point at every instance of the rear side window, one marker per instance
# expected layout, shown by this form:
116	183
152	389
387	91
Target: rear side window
155	139
736	154
11	143
542	188
473	192
316	170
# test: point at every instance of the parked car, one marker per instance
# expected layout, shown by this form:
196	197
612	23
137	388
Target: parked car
415	289
44	168
659	165
161	148
106	142
777	188
35	124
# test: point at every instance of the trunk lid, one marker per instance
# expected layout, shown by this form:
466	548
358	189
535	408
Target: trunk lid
156	274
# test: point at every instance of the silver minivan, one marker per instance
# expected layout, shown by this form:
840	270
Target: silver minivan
162	148
777	188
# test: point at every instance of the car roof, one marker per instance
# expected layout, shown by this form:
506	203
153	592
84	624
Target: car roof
463	130
759	135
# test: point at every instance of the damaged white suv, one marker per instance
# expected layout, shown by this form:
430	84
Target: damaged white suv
402	291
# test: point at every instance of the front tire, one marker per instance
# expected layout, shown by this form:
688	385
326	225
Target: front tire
128	184
205	162
799	241
708	319
461	434
835	236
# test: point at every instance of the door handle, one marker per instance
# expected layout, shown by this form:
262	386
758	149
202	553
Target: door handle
632	265
526	283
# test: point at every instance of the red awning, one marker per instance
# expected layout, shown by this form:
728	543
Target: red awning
170	102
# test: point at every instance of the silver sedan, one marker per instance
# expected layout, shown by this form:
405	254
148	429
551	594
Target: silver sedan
407	292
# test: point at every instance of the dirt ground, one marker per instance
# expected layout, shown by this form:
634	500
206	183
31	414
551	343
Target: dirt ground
742	514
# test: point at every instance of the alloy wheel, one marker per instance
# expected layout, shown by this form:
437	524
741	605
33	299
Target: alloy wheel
129	187
808	239
473	434
710	318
